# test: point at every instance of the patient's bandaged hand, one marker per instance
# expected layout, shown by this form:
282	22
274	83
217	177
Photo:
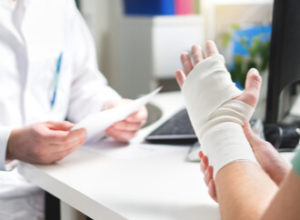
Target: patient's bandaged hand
216	116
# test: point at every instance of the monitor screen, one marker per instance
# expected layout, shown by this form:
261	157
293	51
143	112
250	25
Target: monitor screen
284	59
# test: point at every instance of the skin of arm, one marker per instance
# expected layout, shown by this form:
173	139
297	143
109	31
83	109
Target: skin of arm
244	189
285	204
253	195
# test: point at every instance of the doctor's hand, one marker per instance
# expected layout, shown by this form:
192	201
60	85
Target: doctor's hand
125	130
44	143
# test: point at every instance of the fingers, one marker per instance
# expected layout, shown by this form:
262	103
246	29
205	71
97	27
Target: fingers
208	175
206	169
72	140
66	152
126	126
77	136
204	163
64	125
211	48
55	156
252	138
131	125
180	77
120	135
113	103
258	145
252	87
197	54
186	63
201	154
253	81
139	117
125	130
58	136
212	190
53	153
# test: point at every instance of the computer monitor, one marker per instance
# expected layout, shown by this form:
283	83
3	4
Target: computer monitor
284	59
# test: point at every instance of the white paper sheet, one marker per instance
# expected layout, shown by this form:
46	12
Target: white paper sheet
97	123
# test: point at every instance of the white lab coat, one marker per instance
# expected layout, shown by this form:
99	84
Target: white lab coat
33	33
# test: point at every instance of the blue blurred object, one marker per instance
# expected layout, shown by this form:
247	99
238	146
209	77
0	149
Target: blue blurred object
239	85
149	7
249	33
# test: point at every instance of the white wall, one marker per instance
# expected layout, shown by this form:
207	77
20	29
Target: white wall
101	16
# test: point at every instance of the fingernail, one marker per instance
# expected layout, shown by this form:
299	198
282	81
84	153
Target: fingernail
200	154
253	70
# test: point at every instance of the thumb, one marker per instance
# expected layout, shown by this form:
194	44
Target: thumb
253	81
252	87
252	138
63	125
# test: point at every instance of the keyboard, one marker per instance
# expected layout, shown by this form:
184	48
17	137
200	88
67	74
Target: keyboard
176	130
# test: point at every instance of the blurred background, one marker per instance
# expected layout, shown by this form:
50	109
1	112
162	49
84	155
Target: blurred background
139	42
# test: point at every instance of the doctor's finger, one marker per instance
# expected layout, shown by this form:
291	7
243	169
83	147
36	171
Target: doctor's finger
79	135
186	62
53	152
62	154
120	135
61	125
140	116
57	136
127	126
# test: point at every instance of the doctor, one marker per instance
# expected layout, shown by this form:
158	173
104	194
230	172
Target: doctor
48	73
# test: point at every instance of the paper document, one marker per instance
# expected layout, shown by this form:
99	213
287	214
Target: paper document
96	123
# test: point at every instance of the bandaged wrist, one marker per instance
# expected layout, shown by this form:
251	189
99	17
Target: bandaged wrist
216	118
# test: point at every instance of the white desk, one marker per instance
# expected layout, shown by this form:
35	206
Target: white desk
157	186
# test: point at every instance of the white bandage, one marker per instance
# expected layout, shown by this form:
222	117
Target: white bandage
217	118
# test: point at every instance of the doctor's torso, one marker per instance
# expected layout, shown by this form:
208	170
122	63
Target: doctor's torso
33	33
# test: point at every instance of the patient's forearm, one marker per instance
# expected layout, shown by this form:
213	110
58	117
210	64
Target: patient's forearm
244	191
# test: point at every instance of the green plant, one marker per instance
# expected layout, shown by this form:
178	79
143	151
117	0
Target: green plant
258	55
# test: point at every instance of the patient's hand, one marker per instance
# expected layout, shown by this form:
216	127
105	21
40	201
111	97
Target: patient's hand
249	96
253	81
125	130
